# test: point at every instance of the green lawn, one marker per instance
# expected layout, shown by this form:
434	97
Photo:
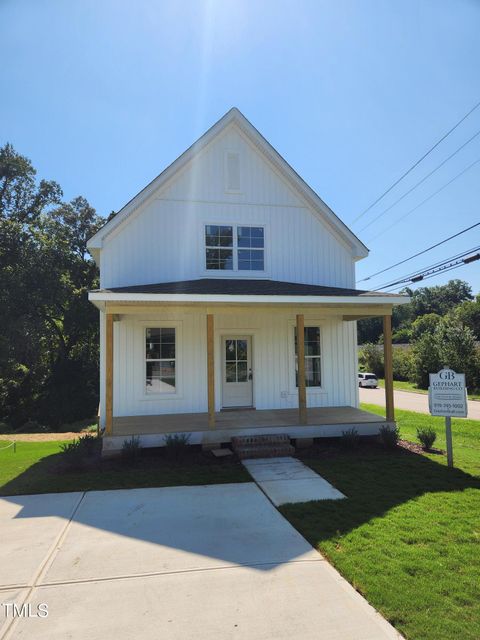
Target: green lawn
407	537
36	468
403	385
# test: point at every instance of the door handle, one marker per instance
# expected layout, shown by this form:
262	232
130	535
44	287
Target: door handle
250	374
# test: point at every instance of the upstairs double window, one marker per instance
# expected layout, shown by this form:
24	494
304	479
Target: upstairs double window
234	248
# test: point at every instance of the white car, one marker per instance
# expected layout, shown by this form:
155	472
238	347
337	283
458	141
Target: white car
367	380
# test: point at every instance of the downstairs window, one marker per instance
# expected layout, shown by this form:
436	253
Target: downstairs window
313	357
160	360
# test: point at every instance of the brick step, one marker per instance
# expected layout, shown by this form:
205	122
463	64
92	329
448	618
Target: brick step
244	453
261	439
262	446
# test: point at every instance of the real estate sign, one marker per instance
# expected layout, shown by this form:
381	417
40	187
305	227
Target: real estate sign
447	394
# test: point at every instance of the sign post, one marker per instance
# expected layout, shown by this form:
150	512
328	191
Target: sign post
447	396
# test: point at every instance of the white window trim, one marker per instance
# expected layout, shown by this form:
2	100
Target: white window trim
225	171
162	324
293	389
236	272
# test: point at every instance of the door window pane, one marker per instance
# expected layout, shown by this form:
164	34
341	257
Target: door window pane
230	351
231	372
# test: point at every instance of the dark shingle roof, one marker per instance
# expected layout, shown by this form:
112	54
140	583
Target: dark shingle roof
234	287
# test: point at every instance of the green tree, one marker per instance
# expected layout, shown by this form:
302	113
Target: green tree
370	359
48	345
425	324
456	349
425	359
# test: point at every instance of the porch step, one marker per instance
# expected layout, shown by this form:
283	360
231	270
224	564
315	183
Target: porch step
262	446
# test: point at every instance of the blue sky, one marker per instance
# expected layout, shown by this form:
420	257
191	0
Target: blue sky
103	94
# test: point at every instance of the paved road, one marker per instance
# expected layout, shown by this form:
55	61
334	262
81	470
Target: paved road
410	401
214	562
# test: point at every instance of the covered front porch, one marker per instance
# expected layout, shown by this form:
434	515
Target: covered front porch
280	401
323	422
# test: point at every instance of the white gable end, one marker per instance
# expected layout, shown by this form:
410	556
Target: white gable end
232	179
207	176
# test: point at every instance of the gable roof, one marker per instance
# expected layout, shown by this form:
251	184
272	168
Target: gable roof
288	173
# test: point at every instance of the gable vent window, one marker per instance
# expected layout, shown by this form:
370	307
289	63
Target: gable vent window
232	170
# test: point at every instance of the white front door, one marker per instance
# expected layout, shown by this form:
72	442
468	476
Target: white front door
237	384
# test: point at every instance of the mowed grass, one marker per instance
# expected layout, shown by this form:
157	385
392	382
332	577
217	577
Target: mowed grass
408	535
404	385
465	435
37	467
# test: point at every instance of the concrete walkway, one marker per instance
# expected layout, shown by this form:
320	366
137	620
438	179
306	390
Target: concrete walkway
208	562
410	401
286	480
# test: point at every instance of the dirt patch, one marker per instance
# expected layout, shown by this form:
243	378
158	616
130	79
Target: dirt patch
39	437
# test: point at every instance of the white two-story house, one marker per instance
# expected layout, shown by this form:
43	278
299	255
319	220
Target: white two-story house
207	279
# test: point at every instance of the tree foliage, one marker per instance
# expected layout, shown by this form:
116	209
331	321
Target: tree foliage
49	340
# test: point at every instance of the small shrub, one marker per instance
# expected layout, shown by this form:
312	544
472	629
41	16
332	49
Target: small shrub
90	444
427	437
350	439
73	453
389	437
5	428
131	449
32	426
176	444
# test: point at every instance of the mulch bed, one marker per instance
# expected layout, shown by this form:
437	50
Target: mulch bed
414	447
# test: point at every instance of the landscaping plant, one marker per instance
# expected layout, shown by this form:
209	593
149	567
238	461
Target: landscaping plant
427	437
350	439
389	436
131	449
175	444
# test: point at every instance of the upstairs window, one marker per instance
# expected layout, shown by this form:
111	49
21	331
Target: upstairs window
219	247
234	248
232	171
250	243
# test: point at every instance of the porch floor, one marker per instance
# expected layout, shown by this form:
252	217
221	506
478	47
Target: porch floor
240	419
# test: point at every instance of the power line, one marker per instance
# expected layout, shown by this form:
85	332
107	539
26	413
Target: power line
416	163
419	253
462	263
426	199
435	265
421	181
421	274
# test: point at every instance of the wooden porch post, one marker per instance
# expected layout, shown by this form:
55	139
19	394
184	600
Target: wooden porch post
210	372
109	375
388	363
302	394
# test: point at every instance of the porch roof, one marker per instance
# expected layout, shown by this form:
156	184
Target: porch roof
230	290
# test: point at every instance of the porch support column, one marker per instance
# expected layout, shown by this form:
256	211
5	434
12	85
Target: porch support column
210	372
302	393
388	363
109	375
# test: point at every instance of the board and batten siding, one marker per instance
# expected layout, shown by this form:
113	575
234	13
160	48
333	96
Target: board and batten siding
164	239
272	352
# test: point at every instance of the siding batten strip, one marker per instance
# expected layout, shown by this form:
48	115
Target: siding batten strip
210	372
302	394
109	375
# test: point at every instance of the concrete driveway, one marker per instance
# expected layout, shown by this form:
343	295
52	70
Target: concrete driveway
410	401
213	562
